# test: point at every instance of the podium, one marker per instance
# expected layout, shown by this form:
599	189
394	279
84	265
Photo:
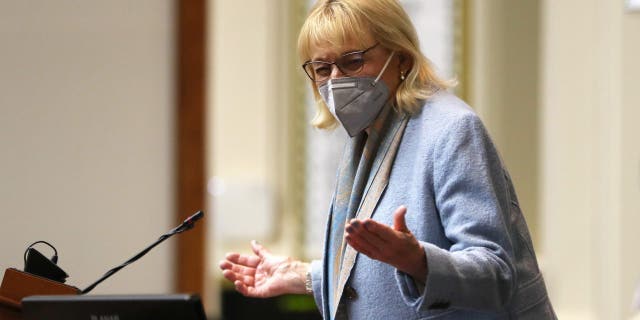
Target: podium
17	284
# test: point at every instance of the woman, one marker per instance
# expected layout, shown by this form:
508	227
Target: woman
424	222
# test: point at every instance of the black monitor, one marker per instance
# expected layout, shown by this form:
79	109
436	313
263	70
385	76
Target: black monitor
113	307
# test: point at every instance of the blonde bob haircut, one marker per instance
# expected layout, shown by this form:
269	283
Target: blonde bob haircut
334	22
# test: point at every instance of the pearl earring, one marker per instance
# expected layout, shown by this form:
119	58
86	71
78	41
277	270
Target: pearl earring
402	75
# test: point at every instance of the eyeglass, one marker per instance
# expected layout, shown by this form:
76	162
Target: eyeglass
348	64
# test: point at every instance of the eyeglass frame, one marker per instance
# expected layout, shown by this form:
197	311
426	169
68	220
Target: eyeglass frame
336	63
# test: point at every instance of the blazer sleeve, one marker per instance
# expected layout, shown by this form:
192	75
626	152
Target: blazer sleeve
469	188
316	282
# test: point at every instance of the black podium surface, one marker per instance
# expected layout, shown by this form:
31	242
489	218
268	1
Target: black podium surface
113	307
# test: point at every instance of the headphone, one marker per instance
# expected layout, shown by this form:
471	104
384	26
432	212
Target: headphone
36	263
54	259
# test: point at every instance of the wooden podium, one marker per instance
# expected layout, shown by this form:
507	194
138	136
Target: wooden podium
17	285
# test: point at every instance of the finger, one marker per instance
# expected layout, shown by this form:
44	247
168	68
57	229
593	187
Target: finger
243	259
361	245
384	232
383	248
242	288
356	228
226	265
259	249
399	222
235	277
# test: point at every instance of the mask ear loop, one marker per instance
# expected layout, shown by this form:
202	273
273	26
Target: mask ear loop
383	69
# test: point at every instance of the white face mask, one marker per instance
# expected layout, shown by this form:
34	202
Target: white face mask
356	101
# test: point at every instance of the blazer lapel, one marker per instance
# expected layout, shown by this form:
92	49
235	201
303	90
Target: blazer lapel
375	187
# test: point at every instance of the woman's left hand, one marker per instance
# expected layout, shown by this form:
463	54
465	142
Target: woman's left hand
395	246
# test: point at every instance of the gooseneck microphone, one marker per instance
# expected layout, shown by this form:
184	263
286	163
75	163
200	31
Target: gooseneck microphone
187	224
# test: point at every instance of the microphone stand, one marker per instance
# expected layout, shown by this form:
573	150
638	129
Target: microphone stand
187	224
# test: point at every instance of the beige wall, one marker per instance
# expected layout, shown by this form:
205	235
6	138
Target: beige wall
86	95
590	156
556	84
503	89
630	157
249	92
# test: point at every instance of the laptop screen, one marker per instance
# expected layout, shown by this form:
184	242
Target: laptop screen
113	307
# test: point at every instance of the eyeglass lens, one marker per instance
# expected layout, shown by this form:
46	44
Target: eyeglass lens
348	64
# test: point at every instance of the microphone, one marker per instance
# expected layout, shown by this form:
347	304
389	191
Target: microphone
187	224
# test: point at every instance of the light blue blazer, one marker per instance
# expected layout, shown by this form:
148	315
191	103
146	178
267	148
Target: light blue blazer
463	209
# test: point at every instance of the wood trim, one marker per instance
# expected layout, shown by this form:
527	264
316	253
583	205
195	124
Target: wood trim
190	148
461	47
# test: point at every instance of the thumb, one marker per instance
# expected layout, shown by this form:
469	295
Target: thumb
258	249
399	223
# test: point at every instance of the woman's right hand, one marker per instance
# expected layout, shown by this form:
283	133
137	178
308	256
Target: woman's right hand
264	275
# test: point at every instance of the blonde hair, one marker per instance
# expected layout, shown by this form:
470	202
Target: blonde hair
334	22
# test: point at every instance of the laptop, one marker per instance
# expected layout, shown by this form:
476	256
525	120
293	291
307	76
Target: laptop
113	307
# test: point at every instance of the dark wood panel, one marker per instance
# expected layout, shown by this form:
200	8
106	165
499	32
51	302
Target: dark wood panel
190	143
